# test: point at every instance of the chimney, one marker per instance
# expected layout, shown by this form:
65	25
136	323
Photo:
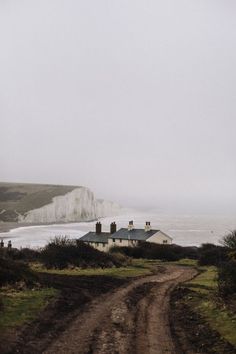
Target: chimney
147	226
131	225
113	227
98	228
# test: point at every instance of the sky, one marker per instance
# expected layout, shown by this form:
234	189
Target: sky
133	99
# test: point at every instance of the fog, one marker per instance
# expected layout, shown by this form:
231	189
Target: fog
133	99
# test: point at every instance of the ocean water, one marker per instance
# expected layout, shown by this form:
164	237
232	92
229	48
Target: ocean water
186	230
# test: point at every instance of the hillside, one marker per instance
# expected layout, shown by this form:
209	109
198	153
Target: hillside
43	203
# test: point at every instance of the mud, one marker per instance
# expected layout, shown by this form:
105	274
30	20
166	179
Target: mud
103	315
133	319
192	334
74	293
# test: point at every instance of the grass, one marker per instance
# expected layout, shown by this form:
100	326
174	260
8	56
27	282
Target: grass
220	319
31	196
223	321
22	306
186	262
137	268
205	281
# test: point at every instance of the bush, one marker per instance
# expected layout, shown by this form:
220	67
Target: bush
14	271
150	250
227	278
227	270
24	254
210	254
121	258
61	253
229	240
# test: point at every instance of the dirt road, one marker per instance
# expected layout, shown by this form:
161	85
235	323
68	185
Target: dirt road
131	320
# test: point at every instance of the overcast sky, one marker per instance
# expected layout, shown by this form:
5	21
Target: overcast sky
133	99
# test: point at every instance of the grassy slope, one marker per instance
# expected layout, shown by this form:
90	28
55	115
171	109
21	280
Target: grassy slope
138	267
22	306
205	302
22	197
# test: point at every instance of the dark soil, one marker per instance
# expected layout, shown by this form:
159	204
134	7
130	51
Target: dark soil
105	315
190	330
75	293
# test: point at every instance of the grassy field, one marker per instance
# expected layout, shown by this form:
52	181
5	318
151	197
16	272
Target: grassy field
205	302
19	307
136	268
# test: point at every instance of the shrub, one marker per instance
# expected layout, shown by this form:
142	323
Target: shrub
14	271
227	278
157	251
24	254
62	252
229	241
227	270
121	258
210	254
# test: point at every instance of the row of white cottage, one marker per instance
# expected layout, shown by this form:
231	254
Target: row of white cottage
129	236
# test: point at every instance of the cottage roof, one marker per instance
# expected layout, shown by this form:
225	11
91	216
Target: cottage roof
135	234
93	237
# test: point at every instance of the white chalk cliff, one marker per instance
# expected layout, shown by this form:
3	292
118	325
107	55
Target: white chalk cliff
78	205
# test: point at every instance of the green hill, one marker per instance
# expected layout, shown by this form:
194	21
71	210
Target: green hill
21	197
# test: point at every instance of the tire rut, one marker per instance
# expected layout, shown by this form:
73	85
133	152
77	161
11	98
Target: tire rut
132	320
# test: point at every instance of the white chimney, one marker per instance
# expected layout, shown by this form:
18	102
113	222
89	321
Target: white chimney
147	226
131	225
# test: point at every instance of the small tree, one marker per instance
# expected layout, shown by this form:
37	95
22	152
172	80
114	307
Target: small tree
227	271
229	240
227	278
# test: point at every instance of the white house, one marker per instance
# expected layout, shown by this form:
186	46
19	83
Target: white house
129	236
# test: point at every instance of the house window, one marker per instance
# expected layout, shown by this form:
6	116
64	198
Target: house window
120	240
113	240
164	241
103	245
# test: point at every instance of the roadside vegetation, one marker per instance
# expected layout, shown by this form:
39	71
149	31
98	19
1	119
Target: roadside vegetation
62	253
133	268
22	305
208	301
148	250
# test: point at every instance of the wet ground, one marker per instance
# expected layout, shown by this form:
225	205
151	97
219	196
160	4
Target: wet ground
104	315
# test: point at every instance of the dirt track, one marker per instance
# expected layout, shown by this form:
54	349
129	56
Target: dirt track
133	319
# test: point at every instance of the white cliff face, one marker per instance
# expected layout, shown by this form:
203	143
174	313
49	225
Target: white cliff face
78	205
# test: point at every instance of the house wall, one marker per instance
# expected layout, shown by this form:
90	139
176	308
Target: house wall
121	243
160	237
99	246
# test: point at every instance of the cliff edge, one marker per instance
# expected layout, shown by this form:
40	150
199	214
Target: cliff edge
37	203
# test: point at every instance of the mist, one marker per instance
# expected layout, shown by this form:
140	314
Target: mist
135	100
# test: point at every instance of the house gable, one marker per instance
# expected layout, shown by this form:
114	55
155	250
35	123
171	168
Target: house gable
160	237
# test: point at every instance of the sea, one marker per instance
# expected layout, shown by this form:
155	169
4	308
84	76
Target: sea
186	230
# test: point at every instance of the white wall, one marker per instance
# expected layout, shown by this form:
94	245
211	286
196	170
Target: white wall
161	238
99	246
121	243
